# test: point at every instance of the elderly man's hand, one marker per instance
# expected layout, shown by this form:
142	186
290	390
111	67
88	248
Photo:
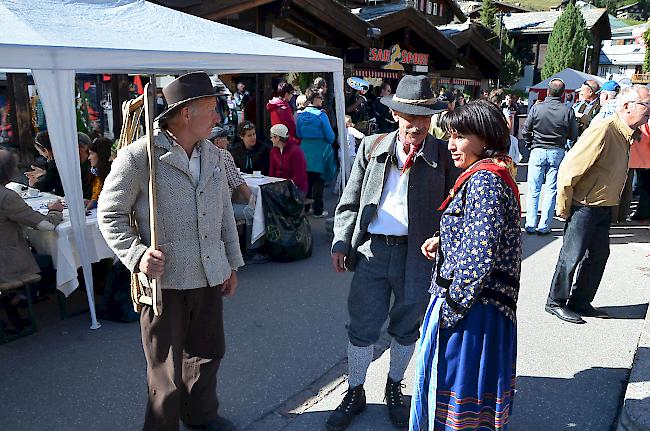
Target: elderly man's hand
564	214
338	261
152	263
229	286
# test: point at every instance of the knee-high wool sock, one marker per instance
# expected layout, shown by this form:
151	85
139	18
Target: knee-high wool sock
359	359
399	360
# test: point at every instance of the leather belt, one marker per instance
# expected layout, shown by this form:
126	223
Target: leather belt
390	240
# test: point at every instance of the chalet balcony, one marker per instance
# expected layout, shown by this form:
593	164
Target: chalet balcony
641	78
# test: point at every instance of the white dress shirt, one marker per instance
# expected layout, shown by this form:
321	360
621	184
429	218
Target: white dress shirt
392	214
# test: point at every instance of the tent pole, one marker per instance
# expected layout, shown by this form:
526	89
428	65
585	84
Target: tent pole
149	106
339	99
56	88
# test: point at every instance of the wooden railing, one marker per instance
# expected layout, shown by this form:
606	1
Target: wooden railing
641	78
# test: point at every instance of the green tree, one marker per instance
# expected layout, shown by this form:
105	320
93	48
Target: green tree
646	59
511	67
488	14
566	45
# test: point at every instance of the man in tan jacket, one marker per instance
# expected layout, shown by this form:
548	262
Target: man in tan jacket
196	262
590	180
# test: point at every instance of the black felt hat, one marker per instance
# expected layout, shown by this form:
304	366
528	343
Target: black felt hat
191	86
413	96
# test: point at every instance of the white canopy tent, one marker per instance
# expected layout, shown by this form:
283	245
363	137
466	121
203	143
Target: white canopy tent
58	38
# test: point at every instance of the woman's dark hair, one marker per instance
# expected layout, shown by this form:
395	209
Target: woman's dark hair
284	88
102	146
244	127
43	139
8	166
483	119
313	93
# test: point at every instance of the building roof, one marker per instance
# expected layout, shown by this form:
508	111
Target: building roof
377	11
542	22
622	54
617	23
451	30
626	7
408	17
471	6
471	38
621	32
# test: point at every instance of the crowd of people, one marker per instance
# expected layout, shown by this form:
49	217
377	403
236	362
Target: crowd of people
429	222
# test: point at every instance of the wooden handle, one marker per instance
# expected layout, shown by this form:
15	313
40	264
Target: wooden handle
149	112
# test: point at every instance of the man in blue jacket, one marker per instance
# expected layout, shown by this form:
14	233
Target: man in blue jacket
387	211
547	128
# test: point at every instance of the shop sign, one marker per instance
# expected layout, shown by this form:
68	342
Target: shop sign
395	57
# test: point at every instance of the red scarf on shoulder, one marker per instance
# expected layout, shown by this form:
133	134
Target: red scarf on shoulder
503	166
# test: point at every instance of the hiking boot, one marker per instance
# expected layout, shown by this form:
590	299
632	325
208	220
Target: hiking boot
397	410
353	403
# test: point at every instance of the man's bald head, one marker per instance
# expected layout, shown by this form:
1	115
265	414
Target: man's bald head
8	166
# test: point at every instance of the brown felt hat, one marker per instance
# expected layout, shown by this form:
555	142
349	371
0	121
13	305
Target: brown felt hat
185	88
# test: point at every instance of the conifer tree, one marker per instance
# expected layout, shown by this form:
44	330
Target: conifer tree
566	45
511	66
488	14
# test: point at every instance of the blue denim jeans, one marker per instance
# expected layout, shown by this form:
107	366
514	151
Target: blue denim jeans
543	165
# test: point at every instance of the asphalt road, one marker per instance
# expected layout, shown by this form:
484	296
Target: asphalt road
287	344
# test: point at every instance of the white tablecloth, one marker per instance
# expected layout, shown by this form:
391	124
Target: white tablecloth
254	183
61	245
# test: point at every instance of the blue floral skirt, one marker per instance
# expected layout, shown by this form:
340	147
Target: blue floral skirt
465	375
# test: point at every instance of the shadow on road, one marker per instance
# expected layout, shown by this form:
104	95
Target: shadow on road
579	403
636	311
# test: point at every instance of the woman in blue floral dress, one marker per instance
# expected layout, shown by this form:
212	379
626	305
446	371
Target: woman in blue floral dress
465	364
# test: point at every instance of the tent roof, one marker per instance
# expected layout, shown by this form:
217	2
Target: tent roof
572	78
121	36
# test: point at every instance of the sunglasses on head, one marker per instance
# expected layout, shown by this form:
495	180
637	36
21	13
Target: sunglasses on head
591	86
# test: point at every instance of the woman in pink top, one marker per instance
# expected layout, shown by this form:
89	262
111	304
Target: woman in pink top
281	112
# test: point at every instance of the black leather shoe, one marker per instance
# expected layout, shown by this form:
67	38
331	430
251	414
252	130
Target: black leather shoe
218	424
397	411
564	314
353	403
589	311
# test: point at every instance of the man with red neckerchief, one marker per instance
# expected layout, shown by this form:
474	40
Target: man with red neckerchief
387	210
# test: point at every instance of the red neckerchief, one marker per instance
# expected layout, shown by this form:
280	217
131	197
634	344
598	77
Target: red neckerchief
503	166
410	157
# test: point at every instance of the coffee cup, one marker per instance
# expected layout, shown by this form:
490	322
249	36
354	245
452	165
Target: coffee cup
32	193
257	173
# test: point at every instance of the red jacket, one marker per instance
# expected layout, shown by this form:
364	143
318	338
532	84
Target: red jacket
281	113
289	164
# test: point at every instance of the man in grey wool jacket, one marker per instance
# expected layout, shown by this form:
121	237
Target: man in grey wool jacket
388	210
196	262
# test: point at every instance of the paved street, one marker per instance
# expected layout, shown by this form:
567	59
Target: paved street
287	344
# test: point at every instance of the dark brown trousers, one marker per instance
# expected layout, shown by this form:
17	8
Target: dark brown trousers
183	348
